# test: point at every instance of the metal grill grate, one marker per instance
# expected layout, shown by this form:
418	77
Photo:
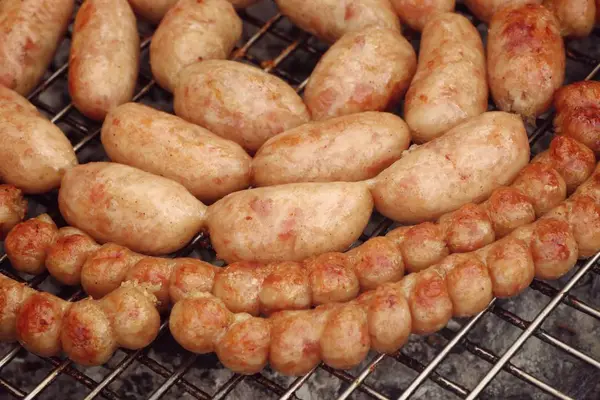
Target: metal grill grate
452	363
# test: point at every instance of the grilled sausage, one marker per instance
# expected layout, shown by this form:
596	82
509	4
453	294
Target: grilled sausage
104	58
576	17
152	10
465	165
192	31
450	85
331	19
12	208
525	59
34	152
368	70
485	9
238	102
208	166
30	32
349	149
145	212
416	13
27	244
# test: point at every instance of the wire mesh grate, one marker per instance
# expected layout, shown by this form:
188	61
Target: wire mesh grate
425	368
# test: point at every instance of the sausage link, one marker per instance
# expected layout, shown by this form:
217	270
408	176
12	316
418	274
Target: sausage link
13	207
416	13
88	331
576	17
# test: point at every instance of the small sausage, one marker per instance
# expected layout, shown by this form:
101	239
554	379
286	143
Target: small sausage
12	208
464	165
331	19
238	286
348	149
30	32
450	85
576	17
38	324
331	280
525	59
12	296
416	13
208	166
289	222
368	70
192	31
287	287
66	257
485	9
144	212
27	244
104	58
191	276
34	152
155	273
238	102
152	10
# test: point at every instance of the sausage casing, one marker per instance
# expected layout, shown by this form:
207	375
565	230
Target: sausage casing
576	17
485	9
416	13
152	10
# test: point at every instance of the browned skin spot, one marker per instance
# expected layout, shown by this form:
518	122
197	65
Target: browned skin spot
84	15
36	316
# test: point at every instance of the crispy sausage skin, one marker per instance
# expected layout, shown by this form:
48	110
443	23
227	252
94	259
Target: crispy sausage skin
104	59
485	9
348	149
416	13
450	85
525	59
13	207
34	152
289	222
30	32
464	165
118	203
28	243
192	31
576	17
208	166
238	102
578	113
331	19
368	70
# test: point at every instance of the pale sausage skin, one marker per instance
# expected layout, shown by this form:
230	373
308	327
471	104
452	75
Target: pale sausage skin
576	17
347	149
152	10
526	60
485	9
35	153
450	85
104	58
416	13
207	165
464	165
289	222
30	32
578	113
122	204
192	31
368	70
238	102
331	19
13	207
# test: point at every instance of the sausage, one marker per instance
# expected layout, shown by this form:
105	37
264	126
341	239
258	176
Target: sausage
12	208
464	165
208	166
147	213
450	85
368	70
34	152
192	31
27	244
341	334
576	17
238	102
152	10
66	256
416	13
485	9
105	57
331	19
578	113
88	331
349	149
526	60
30	32
289	222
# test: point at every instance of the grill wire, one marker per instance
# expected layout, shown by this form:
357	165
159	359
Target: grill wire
418	370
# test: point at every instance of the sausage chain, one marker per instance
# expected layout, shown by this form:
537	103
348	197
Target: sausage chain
73	257
88	331
341	335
